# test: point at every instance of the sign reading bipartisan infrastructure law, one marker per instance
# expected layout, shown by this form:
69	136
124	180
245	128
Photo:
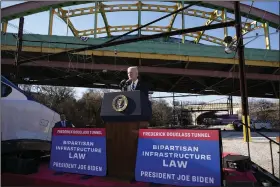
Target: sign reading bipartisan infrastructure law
179	157
79	150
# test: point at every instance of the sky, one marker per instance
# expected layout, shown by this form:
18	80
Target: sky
38	24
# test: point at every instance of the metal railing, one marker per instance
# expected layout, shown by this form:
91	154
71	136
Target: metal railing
270	146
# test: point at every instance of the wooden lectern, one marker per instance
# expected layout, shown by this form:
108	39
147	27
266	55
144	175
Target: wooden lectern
124	113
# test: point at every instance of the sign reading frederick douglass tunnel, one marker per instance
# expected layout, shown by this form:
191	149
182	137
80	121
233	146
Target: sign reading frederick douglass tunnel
179	157
79	150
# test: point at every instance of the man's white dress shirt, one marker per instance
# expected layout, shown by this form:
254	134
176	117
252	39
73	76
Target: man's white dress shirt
132	86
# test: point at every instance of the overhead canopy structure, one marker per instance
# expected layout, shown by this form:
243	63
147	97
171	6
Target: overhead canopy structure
213	72
186	73
262	19
33	7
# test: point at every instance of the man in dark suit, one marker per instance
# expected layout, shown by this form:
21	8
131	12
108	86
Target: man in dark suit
63	122
134	83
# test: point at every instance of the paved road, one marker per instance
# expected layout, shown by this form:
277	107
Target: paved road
228	133
254	135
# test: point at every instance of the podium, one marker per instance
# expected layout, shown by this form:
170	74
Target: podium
124	113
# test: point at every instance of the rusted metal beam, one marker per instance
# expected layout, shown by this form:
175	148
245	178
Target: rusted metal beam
147	69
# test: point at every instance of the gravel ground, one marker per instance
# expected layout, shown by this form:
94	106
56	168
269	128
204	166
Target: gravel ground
259	150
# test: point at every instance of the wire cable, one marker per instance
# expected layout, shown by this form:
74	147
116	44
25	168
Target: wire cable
220	81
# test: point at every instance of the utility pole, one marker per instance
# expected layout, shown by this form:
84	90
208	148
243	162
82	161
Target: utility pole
19	46
230	105
242	75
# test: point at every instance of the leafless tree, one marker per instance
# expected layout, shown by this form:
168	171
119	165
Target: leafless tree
264	110
162	113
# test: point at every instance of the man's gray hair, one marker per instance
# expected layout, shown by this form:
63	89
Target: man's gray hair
133	67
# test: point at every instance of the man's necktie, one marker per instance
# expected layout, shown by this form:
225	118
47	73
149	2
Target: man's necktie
133	86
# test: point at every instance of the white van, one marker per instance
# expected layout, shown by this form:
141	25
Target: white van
254	124
25	123
262	125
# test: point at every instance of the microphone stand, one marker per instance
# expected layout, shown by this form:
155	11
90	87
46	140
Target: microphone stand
123	85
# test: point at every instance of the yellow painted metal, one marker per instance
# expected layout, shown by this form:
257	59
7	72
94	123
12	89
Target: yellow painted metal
122	7
224	16
178	6
103	14
267	37
204	37
103	8
126	28
182	58
183	22
62	14
144	7
214	15
245	129
51	21
67	22
4	26
139	5
248	27
95	19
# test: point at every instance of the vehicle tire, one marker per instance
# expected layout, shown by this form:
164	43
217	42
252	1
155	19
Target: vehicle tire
240	128
235	127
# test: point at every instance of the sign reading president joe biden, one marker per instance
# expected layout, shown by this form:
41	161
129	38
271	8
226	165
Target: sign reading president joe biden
179	157
79	150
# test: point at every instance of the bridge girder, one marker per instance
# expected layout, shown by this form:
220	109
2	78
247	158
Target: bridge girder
28	8
103	14
211	16
157	29
267	18
148	69
178	6
214	15
61	14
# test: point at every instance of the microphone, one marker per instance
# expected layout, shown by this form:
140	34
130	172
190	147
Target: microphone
128	82
122	83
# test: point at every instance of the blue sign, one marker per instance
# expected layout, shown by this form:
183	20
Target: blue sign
179	157
79	150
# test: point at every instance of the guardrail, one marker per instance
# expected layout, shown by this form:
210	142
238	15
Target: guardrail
211	106
270	146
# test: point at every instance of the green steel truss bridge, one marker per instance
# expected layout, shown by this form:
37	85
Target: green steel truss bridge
169	64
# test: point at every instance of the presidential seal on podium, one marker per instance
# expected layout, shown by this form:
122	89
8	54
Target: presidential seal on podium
120	103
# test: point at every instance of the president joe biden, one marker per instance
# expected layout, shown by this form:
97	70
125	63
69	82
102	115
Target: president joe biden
134	83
